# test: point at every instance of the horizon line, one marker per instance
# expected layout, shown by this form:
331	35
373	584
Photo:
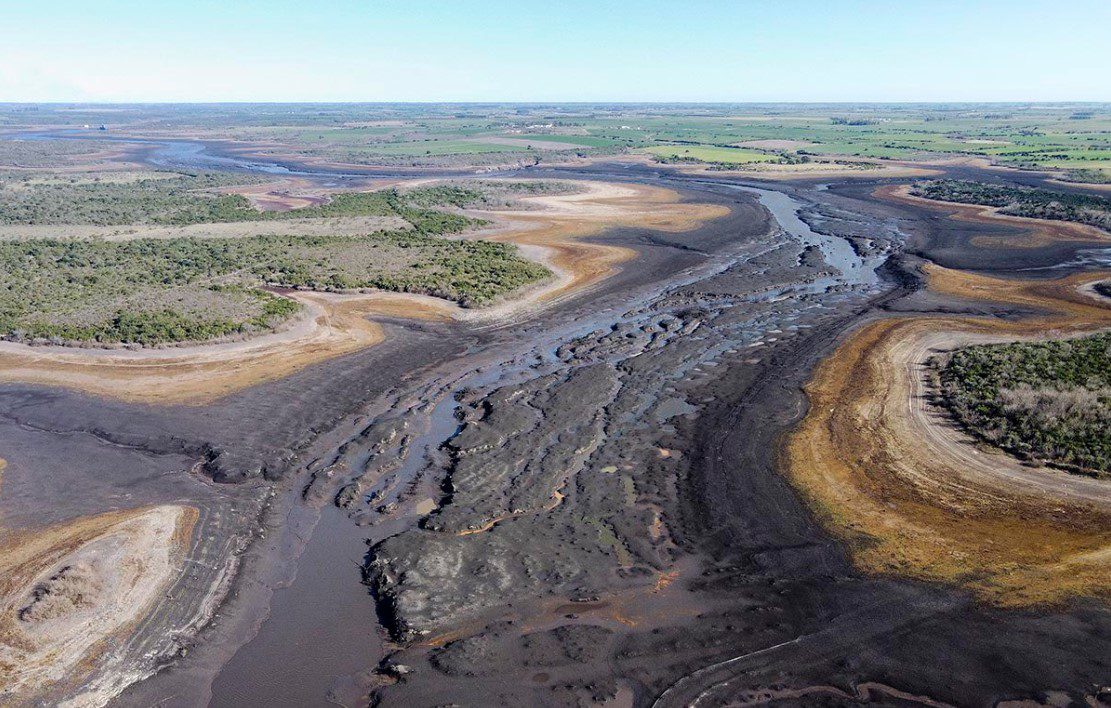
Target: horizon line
120	102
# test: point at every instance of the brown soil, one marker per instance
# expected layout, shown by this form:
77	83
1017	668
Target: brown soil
67	589
559	222
283	195
335	325
912	495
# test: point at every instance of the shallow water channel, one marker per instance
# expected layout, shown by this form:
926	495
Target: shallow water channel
321	630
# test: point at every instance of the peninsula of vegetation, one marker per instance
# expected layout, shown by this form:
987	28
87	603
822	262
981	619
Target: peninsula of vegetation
1021	201
150	291
1048	401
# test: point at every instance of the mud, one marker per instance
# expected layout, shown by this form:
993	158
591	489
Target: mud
583	506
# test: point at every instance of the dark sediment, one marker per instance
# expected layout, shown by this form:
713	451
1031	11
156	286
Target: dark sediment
584	505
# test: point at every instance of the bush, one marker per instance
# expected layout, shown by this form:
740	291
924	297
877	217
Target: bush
149	291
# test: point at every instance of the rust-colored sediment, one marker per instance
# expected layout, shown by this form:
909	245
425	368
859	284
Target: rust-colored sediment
914	496
194	375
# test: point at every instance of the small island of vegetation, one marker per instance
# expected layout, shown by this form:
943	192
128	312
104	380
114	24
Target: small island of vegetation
1046	401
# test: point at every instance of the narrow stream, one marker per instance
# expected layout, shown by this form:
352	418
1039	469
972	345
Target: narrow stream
837	252
321	629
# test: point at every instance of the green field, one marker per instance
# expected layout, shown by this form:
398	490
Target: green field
1036	136
704	153
572	141
437	147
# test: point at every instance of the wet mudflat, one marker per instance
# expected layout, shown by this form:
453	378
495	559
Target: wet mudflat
583	506
764	269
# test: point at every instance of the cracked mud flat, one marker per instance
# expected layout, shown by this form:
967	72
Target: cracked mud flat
582	507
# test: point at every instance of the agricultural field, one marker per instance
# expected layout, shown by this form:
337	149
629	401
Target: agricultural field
1047	401
1022	201
712	154
1073	139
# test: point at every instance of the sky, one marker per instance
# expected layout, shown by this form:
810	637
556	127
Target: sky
555	50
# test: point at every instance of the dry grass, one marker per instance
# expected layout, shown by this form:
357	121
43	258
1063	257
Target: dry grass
73	587
912	495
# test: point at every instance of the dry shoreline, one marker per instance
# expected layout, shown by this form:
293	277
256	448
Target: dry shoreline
339	324
914	496
67	590
1039	232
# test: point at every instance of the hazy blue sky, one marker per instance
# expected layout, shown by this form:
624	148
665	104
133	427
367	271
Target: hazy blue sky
555	50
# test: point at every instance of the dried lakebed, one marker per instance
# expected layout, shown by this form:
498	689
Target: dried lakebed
580	507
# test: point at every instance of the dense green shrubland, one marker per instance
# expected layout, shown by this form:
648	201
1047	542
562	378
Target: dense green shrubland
189	199
149	291
1022	201
1048	400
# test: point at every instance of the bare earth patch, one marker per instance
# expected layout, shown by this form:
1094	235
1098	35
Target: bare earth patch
913	495
67	590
